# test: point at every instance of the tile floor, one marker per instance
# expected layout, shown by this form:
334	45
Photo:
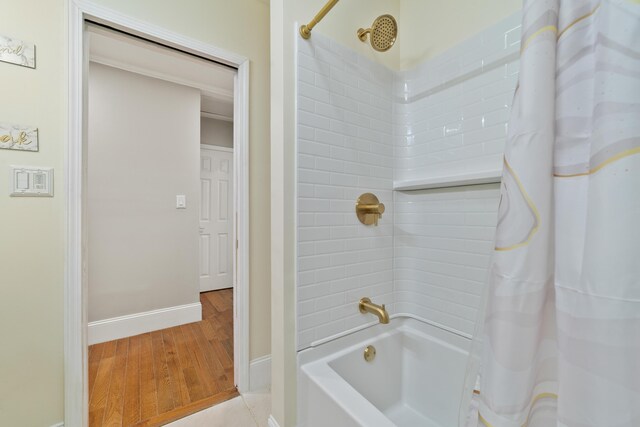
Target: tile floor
247	410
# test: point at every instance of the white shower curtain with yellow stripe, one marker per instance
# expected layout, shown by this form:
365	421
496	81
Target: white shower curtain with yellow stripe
561	338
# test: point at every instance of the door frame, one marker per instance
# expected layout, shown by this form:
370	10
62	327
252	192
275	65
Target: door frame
234	260
75	278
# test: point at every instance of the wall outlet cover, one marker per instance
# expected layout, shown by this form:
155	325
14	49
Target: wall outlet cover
30	181
181	201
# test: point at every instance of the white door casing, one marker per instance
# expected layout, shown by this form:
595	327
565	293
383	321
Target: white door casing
216	218
75	310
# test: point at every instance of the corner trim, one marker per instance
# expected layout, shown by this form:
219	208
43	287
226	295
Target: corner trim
260	373
241	147
140	323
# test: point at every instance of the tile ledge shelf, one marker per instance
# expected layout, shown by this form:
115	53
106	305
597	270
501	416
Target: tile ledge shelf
445	181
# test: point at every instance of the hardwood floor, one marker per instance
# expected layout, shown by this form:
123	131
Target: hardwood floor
158	377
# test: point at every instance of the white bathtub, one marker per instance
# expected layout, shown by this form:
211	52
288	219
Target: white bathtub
415	380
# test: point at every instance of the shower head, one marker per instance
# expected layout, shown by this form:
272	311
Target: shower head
382	34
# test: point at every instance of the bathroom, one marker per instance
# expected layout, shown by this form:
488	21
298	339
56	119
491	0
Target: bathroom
440	225
446	297
427	141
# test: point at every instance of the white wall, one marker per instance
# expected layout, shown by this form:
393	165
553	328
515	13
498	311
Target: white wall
216	132
143	150
344	150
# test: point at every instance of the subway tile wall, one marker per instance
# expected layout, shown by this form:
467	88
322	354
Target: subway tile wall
443	244
451	118
451	111
362	126
344	149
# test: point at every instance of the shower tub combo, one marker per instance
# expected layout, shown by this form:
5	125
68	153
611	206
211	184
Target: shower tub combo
409	371
414	377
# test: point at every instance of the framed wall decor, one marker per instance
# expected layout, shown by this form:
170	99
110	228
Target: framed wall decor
16	137
17	52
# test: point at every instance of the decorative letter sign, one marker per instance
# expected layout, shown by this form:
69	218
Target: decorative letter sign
17	52
15	137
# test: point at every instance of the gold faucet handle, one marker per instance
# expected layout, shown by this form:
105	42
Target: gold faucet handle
369	209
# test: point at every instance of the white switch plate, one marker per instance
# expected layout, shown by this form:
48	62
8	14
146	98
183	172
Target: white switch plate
181	201
30	181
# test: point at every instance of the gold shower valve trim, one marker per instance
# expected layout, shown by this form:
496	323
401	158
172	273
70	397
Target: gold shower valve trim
369	209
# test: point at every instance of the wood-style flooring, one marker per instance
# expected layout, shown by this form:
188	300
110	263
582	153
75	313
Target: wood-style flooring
158	377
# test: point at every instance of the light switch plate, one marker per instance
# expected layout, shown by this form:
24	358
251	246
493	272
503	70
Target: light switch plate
30	181
181	201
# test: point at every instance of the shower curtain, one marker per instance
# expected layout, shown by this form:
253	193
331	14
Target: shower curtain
561	337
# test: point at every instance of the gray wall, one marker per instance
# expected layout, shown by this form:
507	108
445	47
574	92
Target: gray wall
143	150
216	132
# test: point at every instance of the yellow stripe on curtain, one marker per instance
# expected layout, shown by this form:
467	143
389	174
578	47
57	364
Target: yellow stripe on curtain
533	402
582	18
533	36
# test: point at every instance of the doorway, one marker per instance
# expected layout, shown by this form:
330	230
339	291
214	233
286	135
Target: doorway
76	280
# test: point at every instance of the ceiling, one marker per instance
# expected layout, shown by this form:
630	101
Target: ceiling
214	81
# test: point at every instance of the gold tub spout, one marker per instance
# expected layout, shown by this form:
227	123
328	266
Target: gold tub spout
366	306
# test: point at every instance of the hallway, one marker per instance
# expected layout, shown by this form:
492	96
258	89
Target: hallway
158	377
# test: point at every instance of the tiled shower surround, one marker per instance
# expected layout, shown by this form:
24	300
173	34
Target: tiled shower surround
361	127
344	150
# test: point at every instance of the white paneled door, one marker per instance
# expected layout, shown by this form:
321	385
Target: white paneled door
216	219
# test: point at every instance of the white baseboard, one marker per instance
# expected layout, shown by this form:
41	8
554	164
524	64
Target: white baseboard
272	422
260	373
58	425
140	323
